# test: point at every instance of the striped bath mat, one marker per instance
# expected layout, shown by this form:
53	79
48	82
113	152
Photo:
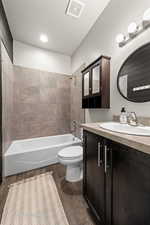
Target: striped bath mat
34	201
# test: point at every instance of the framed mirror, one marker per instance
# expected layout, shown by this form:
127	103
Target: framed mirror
133	79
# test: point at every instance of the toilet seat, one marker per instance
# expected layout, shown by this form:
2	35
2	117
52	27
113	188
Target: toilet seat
73	152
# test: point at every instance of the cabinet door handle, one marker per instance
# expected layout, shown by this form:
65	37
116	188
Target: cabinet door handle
105	158
99	155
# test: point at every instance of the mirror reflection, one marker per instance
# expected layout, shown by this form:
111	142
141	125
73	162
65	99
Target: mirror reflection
134	76
86	84
96	79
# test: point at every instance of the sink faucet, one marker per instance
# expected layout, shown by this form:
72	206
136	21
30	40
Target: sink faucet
132	119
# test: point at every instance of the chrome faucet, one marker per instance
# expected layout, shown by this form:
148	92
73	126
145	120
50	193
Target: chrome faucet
74	123
74	130
132	119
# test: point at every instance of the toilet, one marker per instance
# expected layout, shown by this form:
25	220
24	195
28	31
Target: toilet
72	158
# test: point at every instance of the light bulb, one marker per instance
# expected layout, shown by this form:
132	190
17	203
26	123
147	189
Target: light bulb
132	28
44	38
120	38
146	17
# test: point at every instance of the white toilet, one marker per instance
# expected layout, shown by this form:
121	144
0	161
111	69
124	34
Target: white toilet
72	158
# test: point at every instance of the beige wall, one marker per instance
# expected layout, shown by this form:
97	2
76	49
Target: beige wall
41	103
7	98
77	113
101	40
36	58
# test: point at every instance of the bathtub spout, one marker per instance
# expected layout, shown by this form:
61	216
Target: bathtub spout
74	138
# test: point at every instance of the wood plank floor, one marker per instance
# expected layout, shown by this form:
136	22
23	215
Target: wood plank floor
70	193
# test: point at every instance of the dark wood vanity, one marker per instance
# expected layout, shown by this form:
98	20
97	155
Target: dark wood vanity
116	182
96	84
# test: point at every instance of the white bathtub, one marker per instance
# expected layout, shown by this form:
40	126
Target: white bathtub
24	155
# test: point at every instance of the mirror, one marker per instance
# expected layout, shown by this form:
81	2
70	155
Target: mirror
133	80
96	79
86	83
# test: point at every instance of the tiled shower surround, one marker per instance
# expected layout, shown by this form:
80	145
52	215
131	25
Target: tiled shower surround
38	103
41	103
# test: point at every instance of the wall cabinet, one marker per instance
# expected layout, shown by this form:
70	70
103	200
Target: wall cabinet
116	182
96	84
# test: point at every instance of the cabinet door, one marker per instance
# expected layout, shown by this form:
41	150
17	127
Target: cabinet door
86	84
131	186
95	76
94	175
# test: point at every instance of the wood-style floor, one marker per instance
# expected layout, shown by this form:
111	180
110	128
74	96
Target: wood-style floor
70	193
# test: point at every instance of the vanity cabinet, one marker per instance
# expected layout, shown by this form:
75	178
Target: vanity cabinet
93	169
95	188
96	84
116	183
131	186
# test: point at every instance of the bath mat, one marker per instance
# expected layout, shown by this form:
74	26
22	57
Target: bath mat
34	201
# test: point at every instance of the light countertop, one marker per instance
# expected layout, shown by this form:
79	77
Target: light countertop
141	143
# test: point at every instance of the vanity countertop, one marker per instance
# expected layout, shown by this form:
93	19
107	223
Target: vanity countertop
141	143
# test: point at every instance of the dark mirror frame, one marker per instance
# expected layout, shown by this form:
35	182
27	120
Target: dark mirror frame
118	76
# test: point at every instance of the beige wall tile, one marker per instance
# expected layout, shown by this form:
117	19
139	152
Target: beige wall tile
41	103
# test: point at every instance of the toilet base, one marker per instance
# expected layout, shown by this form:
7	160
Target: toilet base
74	173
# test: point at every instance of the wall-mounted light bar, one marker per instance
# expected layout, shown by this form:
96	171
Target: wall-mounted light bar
134	30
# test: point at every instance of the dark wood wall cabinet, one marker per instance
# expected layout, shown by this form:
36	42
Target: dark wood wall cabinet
116	182
96	84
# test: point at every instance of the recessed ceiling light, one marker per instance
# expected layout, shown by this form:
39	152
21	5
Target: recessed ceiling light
43	38
75	8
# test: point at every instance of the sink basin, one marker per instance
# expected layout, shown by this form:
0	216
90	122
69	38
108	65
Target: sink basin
126	129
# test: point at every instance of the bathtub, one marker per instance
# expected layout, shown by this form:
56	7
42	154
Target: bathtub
25	155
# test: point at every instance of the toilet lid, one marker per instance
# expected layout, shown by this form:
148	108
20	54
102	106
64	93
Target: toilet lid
71	152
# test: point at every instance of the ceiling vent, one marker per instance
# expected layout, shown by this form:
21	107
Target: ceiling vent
75	8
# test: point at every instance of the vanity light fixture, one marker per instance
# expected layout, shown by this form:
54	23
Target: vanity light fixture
134	29
44	38
146	18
